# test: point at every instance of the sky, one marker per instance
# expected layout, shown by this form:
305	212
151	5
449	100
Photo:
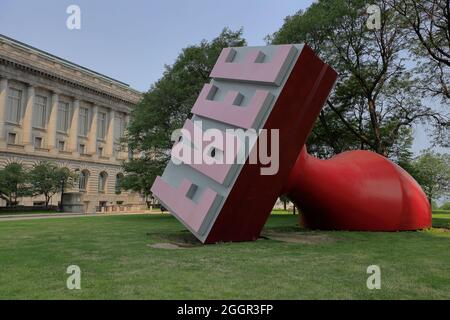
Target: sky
132	40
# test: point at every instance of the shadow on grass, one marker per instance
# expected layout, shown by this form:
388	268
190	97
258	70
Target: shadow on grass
291	232
182	239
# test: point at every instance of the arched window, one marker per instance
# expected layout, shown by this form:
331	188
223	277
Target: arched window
103	176
83	180
119	178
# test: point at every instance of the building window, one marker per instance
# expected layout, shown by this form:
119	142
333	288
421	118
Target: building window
83	180
38	142
14	105
119	129
63	116
102	182
119	178
83	128
61	145
82	148
40	112
101	125
100	151
12	138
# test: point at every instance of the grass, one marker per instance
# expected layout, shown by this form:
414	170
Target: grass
117	262
282	211
12	212
440	211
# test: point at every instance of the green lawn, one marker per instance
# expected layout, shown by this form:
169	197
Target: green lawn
117	261
439	211
7	213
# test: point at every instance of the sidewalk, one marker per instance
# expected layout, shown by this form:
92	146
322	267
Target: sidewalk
12	217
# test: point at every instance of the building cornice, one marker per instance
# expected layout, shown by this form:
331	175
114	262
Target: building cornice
27	59
68	158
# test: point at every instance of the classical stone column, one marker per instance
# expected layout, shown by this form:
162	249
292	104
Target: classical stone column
27	122
92	144
125	149
73	133
3	104
52	122
110	133
127	121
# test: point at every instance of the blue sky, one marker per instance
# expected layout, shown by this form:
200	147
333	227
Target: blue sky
132	40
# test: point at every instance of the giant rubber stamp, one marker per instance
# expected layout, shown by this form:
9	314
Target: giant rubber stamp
276	93
272	87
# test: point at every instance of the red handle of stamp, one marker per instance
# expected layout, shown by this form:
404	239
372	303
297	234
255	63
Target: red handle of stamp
357	190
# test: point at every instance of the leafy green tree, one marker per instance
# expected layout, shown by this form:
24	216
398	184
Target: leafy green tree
13	183
47	178
445	206
139	176
428	22
375	103
434	205
432	172
285	199
166	106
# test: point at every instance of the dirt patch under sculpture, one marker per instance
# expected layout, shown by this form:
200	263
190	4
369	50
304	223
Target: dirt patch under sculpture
299	237
174	241
185	240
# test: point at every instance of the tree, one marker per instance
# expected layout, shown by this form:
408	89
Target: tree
13	183
166	106
139	176
428	22
285	199
432	172
374	104
47	179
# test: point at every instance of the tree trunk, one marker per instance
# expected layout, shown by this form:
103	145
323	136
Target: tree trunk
47	200
330	136
285	205
9	201
380	149
148	202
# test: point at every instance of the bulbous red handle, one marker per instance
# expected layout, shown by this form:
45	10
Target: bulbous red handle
357	190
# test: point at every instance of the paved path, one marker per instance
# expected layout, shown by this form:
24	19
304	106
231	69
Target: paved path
13	217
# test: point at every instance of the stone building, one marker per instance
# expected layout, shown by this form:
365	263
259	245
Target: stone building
54	110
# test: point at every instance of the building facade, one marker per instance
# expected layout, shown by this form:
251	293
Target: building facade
54	110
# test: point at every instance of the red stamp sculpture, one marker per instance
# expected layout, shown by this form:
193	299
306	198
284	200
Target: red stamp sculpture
213	186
